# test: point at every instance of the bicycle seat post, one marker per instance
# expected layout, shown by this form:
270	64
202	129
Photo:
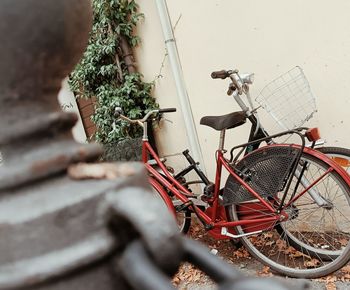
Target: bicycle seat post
222	140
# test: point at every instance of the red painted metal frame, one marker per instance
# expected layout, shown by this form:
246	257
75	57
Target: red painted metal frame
167	180
177	189
330	169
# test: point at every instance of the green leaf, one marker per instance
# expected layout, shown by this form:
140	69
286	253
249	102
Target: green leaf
98	73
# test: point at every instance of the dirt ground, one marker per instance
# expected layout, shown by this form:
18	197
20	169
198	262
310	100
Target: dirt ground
190	278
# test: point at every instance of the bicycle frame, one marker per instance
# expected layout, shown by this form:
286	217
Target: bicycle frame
264	193
213	220
165	183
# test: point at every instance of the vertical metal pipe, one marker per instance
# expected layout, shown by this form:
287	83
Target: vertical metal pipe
170	43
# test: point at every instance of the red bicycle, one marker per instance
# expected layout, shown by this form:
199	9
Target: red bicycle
288	204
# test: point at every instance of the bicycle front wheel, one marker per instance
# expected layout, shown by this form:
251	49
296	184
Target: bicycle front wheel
315	239
182	216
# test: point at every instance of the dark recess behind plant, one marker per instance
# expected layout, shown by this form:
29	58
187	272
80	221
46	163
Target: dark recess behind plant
104	73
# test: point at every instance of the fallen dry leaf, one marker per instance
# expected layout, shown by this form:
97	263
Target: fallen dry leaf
270	243
292	252
345	277
281	244
265	272
241	253
331	279
346	269
313	263
176	281
331	286
343	242
187	273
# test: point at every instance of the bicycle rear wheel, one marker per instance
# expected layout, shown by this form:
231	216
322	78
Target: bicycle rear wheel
342	157
314	241
339	155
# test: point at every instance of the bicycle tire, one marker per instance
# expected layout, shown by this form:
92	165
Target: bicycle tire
183	217
339	155
278	253
342	157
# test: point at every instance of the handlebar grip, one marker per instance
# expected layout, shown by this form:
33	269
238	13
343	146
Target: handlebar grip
221	74
167	110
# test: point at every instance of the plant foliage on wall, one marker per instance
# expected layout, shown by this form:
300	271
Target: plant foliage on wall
107	72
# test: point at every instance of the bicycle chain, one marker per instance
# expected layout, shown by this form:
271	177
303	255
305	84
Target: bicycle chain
151	249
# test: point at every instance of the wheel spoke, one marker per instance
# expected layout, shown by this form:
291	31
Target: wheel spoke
314	240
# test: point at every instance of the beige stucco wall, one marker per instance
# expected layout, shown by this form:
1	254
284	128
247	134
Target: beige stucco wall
266	37
67	101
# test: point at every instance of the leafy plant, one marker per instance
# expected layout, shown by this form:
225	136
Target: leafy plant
104	75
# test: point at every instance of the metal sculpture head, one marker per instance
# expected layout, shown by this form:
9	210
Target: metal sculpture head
41	42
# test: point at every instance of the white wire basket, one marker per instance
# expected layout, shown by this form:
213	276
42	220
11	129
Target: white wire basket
288	99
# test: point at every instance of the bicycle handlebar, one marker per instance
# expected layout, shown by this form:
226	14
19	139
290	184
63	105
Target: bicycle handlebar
167	110
239	82
221	74
118	112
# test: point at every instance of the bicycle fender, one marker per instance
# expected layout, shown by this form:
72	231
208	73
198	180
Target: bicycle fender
340	170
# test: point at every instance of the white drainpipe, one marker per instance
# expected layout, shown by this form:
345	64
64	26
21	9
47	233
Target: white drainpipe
179	82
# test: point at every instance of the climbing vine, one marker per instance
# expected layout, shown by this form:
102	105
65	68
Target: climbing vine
107	73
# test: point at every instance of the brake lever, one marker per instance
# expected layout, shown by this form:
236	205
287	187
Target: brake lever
231	89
